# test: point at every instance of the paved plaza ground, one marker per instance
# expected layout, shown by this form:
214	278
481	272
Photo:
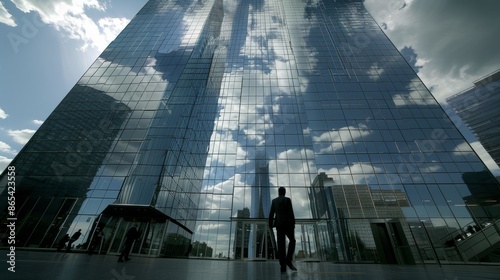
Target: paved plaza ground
68	266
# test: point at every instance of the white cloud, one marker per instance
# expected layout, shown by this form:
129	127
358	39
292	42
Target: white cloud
375	72
6	17
335	140
4	162
364	173
70	17
38	122
412	97
21	136
110	27
3	115
456	42
54	11
4	147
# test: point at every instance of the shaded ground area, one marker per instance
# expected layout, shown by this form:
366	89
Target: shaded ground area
69	266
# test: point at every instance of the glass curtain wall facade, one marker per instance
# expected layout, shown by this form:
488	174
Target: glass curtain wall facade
190	120
477	109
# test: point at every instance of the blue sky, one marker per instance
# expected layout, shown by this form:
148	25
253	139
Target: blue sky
47	45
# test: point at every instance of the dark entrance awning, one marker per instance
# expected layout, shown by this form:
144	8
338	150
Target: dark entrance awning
134	211
144	213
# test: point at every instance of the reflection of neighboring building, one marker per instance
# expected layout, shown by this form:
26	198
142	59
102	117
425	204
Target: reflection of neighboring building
368	218
241	234
475	182
261	194
479	238
388	203
201	250
323	210
320	194
360	214
360	201
478	108
62	158
260	205
480	198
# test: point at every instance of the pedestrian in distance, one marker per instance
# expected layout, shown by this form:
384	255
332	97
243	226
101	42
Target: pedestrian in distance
470	230
281	216
62	242
73	238
132	235
96	242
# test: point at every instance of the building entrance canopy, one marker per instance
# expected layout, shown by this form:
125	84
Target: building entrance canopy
159	233
138	212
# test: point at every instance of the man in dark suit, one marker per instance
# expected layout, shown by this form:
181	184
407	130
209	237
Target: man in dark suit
132	235
285	226
74	238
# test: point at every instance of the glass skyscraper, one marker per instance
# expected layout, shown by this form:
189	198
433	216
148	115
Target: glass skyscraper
190	120
477	108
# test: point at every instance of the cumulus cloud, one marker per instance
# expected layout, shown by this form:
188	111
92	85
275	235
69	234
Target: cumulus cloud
335	140
5	148
363	173
37	122
412	97
71	18
6	17
4	162
3	115
21	136
456	41
375	72
110	27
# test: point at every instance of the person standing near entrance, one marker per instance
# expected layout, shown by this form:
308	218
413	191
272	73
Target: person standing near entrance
285	227
132	235
74	238
96	243
62	242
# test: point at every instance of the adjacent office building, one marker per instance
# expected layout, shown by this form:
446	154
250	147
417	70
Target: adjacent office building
190	120
478	111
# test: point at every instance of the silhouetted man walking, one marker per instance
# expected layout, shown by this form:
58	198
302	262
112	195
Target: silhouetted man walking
132	235
285	226
74	238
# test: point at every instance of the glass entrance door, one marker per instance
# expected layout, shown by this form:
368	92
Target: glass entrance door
119	233
392	245
306	235
257	241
